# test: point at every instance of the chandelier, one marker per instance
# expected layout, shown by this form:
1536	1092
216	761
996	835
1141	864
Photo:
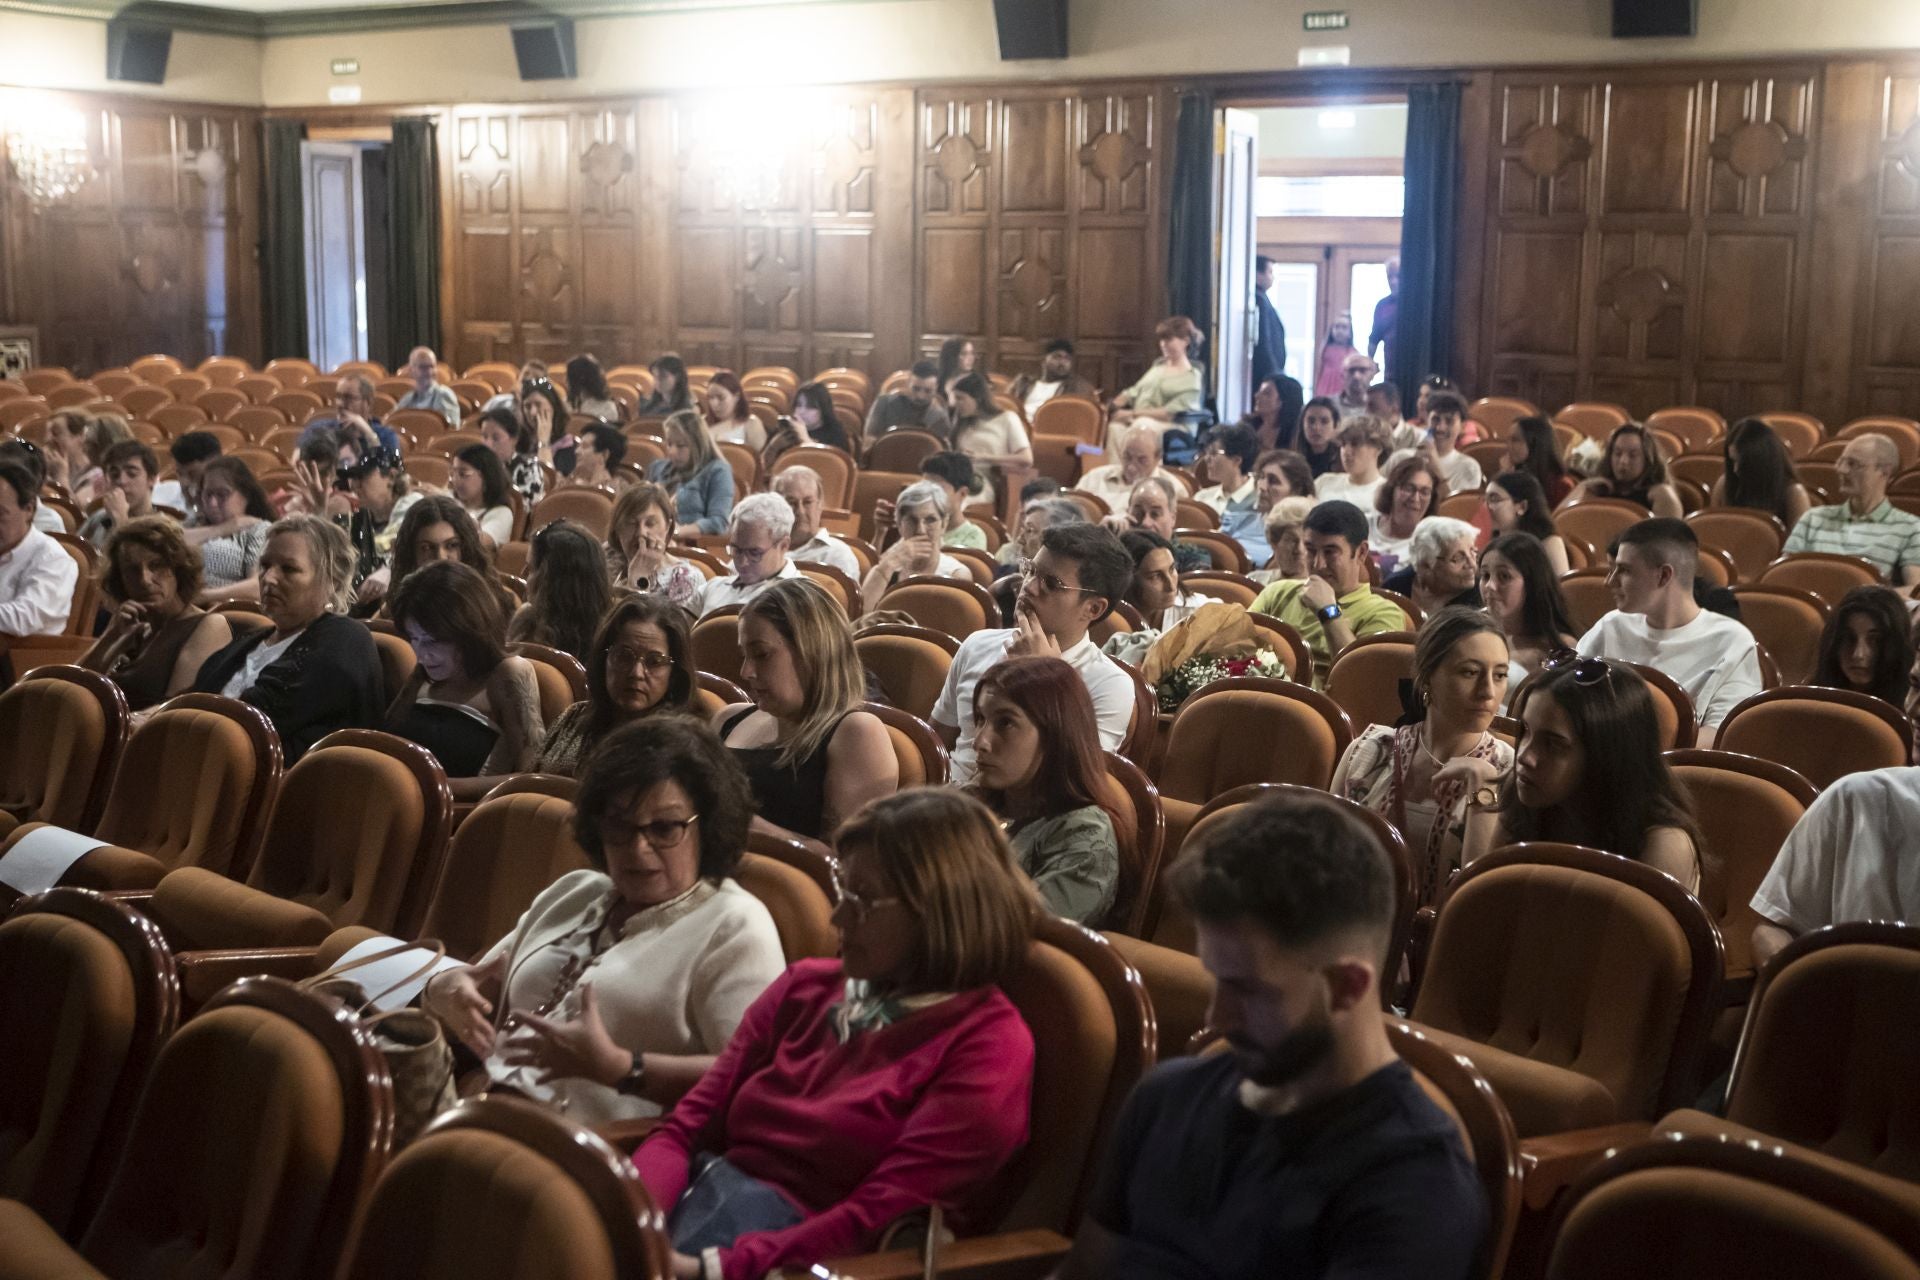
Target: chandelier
49	150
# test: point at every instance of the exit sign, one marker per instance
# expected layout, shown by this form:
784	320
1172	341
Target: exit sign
346	66
1325	20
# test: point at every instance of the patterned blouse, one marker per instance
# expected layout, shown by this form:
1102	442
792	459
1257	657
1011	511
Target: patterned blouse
1373	774
234	557
525	475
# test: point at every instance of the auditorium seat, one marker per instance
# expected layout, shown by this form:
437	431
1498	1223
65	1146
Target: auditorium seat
1594	419
62	729
1498	414
712	693
397	658
1752	538
1679	725
590	508
1223	549
1137	800
714	643
506	853
917	748
1699	428
1216	584
952	605
1588	596
840	588
1365	677
911	663
562	680
1598	521
1828	576
1287	645
1822	734
802	911
835	468
901	451
1790	623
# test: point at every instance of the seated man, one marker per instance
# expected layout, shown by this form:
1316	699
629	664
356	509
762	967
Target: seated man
1227	461
1308	1149
1057	378
1446	419
25	453
1082	571
1657	623
428	391
1865	523
1850	857
1113	482
1383	402
37	576
352	416
918	408
811	544
1334	605
1357	373
758	533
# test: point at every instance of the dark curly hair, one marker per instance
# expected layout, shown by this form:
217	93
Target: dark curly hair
436	508
160	536
635	758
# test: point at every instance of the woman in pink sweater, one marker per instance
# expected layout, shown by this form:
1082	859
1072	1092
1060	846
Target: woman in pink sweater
862	1089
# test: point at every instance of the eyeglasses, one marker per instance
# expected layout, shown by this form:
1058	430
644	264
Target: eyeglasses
666	833
1587	672
857	906
750	555
622	656
1049	583
1414	491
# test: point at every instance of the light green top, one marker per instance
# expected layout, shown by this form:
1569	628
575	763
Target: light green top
1163	387
1364	613
968	534
1074	860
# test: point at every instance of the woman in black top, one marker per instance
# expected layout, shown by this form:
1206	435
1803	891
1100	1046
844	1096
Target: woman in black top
1320	436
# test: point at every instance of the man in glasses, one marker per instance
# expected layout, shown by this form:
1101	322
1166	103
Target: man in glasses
1081	572
1657	623
757	538
1335	605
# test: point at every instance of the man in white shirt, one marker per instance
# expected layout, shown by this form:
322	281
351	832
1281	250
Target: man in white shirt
1139	458
37	576
427	391
1658	624
1082	571
1057	378
757	538
811	544
1446	418
1849	858
26	454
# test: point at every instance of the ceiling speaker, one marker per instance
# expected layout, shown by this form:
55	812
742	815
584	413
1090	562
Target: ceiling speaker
1655	18
1031	28
137	51
544	49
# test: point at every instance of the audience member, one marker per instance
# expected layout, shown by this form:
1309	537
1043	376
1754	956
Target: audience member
470	703
1413	491
588	392
1113	482
597	450
920	513
1275	416
1657	623
989	435
953	474
232	533
1333	605
513	443
1320	436
814	420
1589	772
729	417
315	669
1357	373
37	576
1269	335
1364	443
1154	506
1281	473
1172	385
620	985
510	400
958	358
130	468
1383	404
1443	566
353	416
1864	523
1384	336
1633	471
28	456
1521	593
1446	418
439	528
428	392
1533	447
478	481
65	457
567	590
811	754
757	539
1331	373
640	665
638	559
864	1088
1867	645
544	414
1227	460
158	637
812	544
1308	1149
700	480
1288	558
916	408
382	495
1515	504
1036	517
1082	571
1430	386
1759	474
670	392
1057	378
1155	591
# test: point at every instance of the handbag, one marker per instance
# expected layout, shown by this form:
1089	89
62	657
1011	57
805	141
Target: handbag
418	1057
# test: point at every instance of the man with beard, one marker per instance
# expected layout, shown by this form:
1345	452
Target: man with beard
1309	1150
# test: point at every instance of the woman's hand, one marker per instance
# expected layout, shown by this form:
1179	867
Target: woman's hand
1474	772
314	484
648	559
908	553
579	1050
685	1268
58	470
540	418
373	587
130	619
454	998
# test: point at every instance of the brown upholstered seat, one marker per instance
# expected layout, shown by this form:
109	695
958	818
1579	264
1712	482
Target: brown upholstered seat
1588	597
917	749
397	659
1179	986
1137	801
1789	622
1828	576
590	508
61	733
953	605
1822	734
715	643
909	662
801	909
510	848
1580	983
1752	538
561	679
1365	677
1598	521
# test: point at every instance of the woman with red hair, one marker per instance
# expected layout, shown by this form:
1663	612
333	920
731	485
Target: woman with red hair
728	417
1041	770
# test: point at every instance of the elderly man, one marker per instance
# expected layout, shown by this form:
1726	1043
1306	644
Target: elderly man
428	393
1139	458
1865	524
1357	374
758	534
811	544
37	576
915	409
352	416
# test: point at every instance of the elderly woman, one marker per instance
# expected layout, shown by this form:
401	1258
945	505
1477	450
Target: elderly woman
1443	566
159	637
696	475
640	665
1364	444
920	513
1289	559
637	556
867	1087
1412	492
618	987
315	669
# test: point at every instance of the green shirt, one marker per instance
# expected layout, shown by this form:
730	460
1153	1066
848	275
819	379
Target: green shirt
1364	613
968	534
1074	860
1886	535
1163	387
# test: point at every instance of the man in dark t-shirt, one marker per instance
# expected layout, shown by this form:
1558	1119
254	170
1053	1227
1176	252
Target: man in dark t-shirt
1309	1151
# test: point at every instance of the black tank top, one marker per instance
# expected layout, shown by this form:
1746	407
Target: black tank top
794	797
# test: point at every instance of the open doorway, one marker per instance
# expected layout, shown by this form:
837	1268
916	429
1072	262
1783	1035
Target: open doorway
344	182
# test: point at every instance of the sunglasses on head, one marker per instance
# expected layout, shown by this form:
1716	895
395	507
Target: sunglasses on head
379	460
1587	672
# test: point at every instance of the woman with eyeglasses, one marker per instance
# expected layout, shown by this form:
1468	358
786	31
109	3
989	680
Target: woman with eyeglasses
920	514
864	1088
1521	594
621	984
232	533
1589	772
1423	775
640	665
1442	566
1412	492
567	590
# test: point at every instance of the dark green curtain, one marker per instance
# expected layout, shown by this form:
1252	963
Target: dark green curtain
413	222
1423	331
283	248
1190	229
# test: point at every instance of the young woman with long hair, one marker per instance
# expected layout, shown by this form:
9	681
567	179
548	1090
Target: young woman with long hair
1533	448
1520	592
1633	471
1515	504
699	479
728	416
567	590
1760	474
1868	645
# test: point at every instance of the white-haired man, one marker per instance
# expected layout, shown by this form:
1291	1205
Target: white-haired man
811	544
758	534
1864	523
428	391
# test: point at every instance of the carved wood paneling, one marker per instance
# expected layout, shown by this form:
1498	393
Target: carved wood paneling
1887	350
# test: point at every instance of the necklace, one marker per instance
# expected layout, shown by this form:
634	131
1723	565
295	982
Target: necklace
1427	751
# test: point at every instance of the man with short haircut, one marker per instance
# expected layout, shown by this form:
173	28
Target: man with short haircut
428	391
1657	623
918	408
25	453
1270	337
191	452
1865	524
37	576
352	416
1057	378
1357	374
130	467
1383	402
953	472
758	533
1386	320
1081	573
1446	419
810	544
1334	605
1309	1149
1140	456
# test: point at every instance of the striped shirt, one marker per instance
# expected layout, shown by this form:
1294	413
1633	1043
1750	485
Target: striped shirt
1886	535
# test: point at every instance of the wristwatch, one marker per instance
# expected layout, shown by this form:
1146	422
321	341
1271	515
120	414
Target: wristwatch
1327	614
636	1079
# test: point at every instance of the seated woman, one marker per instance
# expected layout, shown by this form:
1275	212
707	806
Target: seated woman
1320	437
567	590
315	669
868	1087
1533	447
513	443
382	494
1413	491
991	436
811	754
813	420
1515	504
1632	470
1364	444
234	518
621	984
1037	745
1868	645
544	415
670	392
468	702
1281	473
159	637
596	452
637	541
1760	474
696	475
728	416
478	482
1289	558
588	392
1155	590
640	665
920	513
1589	772
130	469
1522	595
1171	385
1423	776
438	528
1442	567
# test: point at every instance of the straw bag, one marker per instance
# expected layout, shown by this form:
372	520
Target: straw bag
411	1040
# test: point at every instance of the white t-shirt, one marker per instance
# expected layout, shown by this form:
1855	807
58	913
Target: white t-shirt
1334	485
1110	687
721	592
1391	554
1713	657
264	655
994	437
1039	393
1850	856
495	522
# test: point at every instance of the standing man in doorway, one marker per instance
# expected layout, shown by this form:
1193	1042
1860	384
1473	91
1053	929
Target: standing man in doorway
1386	315
1270	343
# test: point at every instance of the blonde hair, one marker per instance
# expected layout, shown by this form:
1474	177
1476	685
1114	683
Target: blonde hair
700	447
102	432
332	554
813	626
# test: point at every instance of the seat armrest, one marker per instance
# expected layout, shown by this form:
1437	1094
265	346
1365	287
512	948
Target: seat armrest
1419	940
627	1135
1554	1161
1018	1255
203	973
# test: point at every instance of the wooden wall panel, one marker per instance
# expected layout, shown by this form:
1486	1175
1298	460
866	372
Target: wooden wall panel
1887	355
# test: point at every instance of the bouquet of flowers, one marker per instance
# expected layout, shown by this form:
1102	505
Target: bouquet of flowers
1194	674
1217	641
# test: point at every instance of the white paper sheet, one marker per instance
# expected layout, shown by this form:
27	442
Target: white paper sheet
376	978
39	858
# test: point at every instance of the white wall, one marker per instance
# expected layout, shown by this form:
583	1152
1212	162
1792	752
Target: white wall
71	53
1379	132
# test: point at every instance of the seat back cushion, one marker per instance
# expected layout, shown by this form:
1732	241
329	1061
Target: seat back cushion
1207	752
800	911
1823	742
505	853
1745	820
345	836
182	782
911	670
51	735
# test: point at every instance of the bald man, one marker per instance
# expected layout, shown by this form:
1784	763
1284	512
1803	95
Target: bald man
428	393
1865	523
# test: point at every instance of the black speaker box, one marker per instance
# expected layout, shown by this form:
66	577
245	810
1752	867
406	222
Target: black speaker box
138	51
1031	28
1655	18
544	49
